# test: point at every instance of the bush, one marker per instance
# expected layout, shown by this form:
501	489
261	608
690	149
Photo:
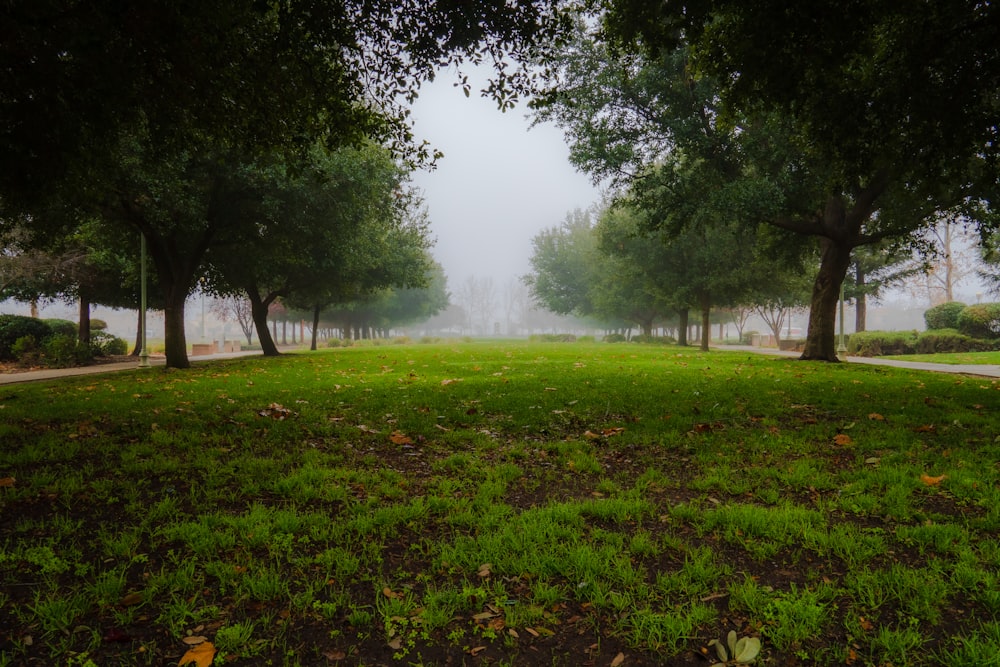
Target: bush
98	325
951	340
584	339
62	327
13	327
981	320
25	350
943	316
552	338
103	344
615	338
654	340
879	343
428	340
747	337
61	351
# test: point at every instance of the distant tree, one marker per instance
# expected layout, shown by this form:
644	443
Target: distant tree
235	307
563	260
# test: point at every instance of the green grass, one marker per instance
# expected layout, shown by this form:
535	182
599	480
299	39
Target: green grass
505	503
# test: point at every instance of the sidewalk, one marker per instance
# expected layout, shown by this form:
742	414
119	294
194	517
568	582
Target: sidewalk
986	370
56	373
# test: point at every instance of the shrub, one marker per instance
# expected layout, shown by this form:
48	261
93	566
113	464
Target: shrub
981	320
584	339
25	350
105	344
615	338
655	340
943	316
552	338
747	337
13	327
97	325
427	340
333	342
878	343
951	340
61	351
63	327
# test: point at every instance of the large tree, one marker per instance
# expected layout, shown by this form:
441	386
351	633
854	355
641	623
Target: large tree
254	75
895	104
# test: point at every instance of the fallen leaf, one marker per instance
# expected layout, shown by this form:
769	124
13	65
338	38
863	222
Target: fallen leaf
876	417
396	643
194	640
131	599
7	481
608	432
483	616
926	428
201	655
513	633
476	650
485	570
531	631
334	655
932	481
445	383
590	435
619	659
843	439
391	594
400	438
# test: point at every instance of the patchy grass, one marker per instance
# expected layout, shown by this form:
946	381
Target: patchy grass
958	358
500	504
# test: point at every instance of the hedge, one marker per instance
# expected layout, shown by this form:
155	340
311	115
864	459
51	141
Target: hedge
943	316
981	320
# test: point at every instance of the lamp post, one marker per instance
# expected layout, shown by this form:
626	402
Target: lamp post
841	348
143	351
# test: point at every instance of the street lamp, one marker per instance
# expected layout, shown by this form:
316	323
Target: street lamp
143	351
841	348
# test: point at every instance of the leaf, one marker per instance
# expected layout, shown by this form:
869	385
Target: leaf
876	417
201	655
619	659
926	428
194	640
476	650
391	594
396	643
485	570
131	599
400	438
334	656
843	439
590	435
932	481
608	432
531	631
445	383
7	481
747	649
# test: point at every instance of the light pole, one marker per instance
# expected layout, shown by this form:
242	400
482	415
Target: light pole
143	351
841	348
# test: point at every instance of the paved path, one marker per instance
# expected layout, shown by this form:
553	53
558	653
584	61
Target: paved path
987	370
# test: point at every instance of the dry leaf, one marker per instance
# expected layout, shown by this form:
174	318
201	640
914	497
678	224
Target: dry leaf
445	383
932	481
7	481
396	643
195	640
513	633
843	439
590	435
608	432
334	655
201	655
476	650
619	659
531	631
131	599
926	428
391	594
485	570
400	438
876	417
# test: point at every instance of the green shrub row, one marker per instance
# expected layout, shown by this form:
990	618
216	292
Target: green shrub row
53	342
886	343
981	320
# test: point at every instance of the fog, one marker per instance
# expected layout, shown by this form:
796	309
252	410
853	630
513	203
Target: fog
498	184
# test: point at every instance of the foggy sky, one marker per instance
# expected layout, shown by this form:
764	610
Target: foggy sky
497	186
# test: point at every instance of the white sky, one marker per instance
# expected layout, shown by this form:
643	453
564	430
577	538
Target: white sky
497	185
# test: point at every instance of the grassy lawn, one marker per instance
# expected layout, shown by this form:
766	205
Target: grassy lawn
953	358
501	504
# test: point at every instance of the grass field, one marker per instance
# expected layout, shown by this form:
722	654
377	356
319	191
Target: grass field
953	358
501	504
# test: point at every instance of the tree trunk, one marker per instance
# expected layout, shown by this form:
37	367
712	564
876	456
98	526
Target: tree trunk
706	324
83	330
138	336
821	337
647	328
682	326
315	330
175	342
258	310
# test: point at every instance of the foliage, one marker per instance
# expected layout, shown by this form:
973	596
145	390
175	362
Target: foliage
552	338
951	340
943	316
881	343
13	327
60	351
741	651
980	320
105	344
63	327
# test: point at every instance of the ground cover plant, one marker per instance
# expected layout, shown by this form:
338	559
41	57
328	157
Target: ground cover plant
501	504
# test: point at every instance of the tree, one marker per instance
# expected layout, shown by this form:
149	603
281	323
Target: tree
562	261
887	158
254	76
947	257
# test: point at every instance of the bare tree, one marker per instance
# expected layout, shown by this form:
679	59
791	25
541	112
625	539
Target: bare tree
949	259
478	297
516	300
236	308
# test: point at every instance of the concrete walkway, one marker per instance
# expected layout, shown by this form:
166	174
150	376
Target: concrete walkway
56	373
985	370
